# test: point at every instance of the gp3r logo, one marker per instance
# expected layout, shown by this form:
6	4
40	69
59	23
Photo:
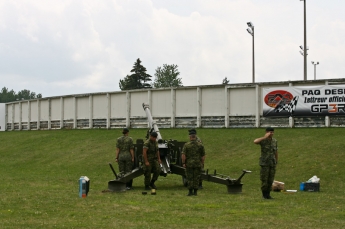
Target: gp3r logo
330	108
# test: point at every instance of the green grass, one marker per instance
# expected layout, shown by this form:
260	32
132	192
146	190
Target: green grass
40	171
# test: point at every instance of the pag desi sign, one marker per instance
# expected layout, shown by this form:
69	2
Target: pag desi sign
325	100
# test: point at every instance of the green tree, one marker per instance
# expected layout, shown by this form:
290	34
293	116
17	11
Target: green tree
167	76
138	79
10	96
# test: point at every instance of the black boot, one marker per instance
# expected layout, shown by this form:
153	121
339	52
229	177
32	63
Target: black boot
200	185
268	195
152	184
195	192
190	193
264	194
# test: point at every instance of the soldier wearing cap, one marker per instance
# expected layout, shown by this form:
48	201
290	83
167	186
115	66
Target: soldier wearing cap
202	169
193	158
151	161
125	154
268	161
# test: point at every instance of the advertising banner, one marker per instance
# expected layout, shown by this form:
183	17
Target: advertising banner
327	100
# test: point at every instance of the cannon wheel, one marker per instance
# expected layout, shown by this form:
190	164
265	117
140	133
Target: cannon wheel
184	181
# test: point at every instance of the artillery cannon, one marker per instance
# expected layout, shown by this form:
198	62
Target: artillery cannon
171	163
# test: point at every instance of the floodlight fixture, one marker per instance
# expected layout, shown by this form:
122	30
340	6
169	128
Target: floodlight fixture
315	63
250	31
250	24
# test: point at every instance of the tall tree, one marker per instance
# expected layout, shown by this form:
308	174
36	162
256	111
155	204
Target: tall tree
167	76
138	79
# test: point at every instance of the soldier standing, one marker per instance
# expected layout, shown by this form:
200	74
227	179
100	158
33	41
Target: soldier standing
193	158
152	161
202	169
268	161
125	155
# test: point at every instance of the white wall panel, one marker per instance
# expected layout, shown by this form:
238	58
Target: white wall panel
68	105
213	100
83	107
55	109
2	116
24	111
161	103
16	112
242	101
34	113
9	113
44	110
186	104
100	106
137	100
118	105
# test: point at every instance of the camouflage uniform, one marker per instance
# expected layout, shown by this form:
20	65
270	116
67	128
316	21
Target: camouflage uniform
152	148
268	163
125	143
202	168
193	151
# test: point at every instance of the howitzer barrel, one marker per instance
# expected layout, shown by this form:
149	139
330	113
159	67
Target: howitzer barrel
152	123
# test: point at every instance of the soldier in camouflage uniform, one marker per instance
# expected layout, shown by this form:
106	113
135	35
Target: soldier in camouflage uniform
193	158
152	161
202	169
268	161
125	154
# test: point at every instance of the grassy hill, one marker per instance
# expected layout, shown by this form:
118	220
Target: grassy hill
40	172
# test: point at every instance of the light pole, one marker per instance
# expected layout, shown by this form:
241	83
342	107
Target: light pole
305	41
251	32
314	63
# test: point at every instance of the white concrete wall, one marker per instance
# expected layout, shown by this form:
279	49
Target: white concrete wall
235	105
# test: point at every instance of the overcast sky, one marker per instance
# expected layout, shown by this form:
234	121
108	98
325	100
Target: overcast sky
83	46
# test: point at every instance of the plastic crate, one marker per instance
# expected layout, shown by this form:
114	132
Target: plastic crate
312	187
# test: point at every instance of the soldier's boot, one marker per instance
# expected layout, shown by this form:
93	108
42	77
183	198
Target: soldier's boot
190	193
200	185
147	187
152	184
195	192
268	195
264	194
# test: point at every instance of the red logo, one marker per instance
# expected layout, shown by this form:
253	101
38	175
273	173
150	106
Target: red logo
274	98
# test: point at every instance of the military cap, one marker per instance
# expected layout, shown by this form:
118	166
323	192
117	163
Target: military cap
269	129
125	130
154	134
192	132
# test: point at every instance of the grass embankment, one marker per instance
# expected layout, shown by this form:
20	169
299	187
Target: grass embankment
40	171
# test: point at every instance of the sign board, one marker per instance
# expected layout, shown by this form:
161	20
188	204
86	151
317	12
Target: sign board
327	100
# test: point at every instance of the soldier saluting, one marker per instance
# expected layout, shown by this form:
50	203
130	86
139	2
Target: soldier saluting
268	161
